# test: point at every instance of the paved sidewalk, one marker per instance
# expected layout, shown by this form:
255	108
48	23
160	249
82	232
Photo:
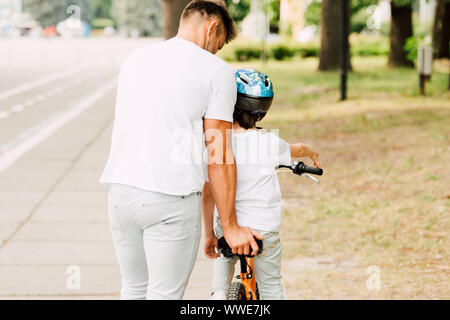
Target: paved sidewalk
53	214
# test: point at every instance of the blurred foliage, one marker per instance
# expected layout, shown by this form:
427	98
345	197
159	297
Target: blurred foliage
367	46
358	13
242	50
359	21
273	11
402	3
101	9
411	46
245	51
102	23
238	9
49	13
142	15
312	13
422	36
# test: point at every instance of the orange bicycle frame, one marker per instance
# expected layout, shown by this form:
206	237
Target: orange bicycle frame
247	277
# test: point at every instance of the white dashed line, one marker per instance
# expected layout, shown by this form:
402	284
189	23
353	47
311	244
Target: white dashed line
40	97
14	150
17	108
50	93
4	114
40	82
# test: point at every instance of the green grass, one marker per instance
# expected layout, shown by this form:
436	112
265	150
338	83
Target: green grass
298	84
384	197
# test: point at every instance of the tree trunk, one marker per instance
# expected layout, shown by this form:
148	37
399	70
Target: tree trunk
441	29
172	10
401	30
331	35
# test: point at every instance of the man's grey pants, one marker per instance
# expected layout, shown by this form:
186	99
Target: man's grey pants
156	237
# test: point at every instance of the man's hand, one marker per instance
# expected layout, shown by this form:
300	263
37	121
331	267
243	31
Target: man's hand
239	238
211	249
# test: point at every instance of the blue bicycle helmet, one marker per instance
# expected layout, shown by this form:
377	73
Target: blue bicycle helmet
255	92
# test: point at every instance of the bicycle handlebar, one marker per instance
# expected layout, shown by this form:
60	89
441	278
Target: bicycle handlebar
299	168
227	252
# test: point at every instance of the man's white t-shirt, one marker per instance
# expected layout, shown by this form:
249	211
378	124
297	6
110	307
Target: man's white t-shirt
258	196
164	92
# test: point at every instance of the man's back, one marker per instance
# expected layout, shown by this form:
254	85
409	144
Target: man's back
164	92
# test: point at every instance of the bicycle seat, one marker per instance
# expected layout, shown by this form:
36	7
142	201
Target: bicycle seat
227	252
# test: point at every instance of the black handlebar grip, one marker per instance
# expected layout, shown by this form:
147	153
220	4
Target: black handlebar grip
300	167
314	170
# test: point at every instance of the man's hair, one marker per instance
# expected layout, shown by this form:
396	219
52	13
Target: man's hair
208	8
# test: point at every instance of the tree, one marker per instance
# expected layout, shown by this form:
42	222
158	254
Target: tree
273	11
358	13
101	9
49	13
401	30
331	35
441	29
141	15
172	10
238	9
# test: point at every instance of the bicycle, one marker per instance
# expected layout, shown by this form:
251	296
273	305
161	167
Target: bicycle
247	288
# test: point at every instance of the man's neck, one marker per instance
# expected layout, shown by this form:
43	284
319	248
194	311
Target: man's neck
189	36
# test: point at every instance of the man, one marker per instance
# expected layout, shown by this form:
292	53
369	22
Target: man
155	171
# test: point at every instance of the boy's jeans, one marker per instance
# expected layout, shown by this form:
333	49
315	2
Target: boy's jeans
156	237
267	267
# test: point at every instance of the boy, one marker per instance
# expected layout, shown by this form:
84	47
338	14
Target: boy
258	196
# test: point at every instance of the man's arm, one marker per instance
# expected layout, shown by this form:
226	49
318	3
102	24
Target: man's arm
208	223
222	182
208	210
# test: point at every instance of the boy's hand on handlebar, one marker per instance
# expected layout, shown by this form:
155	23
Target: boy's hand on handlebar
211	248
315	159
302	150
241	240
313	155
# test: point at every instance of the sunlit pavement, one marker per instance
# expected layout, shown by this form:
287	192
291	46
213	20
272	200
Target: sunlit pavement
56	112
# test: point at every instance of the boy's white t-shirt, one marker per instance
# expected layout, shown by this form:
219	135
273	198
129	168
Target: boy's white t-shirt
258	196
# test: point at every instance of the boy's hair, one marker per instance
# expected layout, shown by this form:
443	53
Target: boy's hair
212	8
245	119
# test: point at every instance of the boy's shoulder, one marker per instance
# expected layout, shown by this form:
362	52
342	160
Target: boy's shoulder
270	135
263	139
261	133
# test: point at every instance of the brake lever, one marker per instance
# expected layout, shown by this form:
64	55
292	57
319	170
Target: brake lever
310	177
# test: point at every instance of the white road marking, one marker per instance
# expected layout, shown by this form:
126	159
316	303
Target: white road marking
14	150
50	93
4	114
17	108
40	97
40	82
29	102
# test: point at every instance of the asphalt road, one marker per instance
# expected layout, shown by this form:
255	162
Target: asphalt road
56	111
